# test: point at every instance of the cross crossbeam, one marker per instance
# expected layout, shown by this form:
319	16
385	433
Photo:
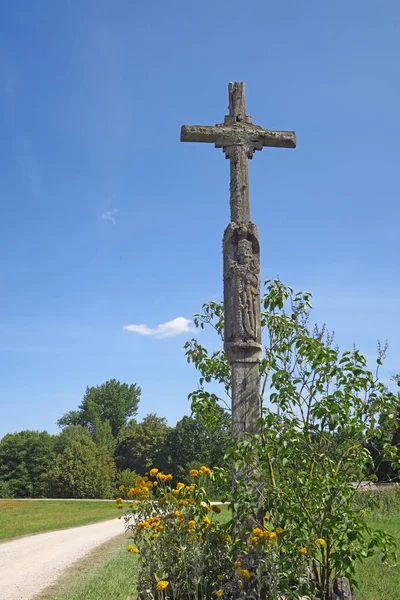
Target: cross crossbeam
239	138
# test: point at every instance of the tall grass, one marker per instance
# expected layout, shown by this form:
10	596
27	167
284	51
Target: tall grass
384	501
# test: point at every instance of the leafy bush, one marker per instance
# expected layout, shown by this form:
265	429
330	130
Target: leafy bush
321	409
6	490
185	552
82	470
125	479
25	459
296	524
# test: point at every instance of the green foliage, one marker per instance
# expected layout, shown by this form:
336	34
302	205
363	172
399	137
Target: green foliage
186	551
25	458
194	442
6	490
381	502
103	436
384	447
139	444
320	410
69	435
112	401
82	470
125	479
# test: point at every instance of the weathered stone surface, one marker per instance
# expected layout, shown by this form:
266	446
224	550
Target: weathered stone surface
342	590
239	139
238	134
241	249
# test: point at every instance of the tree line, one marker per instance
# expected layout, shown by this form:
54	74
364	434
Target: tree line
102	446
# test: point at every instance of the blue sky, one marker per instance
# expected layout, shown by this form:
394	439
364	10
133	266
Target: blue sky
107	220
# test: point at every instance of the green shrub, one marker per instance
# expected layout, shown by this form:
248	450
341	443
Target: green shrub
185	552
6	490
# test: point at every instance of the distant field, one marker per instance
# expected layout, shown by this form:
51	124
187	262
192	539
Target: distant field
23	517
380	581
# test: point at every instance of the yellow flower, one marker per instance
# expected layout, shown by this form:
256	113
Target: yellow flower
131	506
193	473
303	550
279	530
206	508
257	531
237	564
244	573
180	485
119	501
205	470
168	477
272	536
161	585
206	521
321	542
132	549
121	488
219	593
153	472
154	536
183	502
192	524
178	514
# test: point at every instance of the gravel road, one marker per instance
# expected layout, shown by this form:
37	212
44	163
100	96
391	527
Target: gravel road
29	564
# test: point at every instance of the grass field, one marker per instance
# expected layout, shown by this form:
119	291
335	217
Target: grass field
110	571
381	581
24	517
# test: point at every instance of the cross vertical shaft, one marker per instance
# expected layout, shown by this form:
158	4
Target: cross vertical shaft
239	184
240	138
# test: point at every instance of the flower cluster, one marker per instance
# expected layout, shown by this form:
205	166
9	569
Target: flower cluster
182	537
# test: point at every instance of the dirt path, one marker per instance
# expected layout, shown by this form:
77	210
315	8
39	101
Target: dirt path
30	564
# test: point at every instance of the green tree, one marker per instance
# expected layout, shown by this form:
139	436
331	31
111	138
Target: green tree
385	445
139	444
320	412
193	442
25	459
69	435
82	470
111	401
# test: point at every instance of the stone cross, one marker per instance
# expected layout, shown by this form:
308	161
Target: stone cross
239	139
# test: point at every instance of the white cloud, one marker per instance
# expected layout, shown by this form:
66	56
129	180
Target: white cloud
110	215
169	329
